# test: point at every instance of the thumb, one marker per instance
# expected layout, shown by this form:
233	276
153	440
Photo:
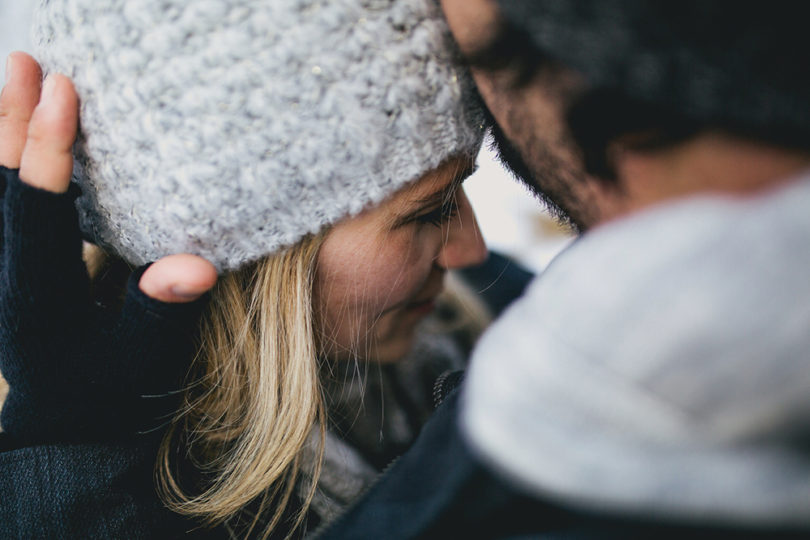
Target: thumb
178	278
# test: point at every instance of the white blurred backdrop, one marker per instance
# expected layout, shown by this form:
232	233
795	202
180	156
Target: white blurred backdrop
511	220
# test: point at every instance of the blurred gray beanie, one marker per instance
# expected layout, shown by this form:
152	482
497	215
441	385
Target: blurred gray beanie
232	128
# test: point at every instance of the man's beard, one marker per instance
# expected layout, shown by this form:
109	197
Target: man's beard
513	161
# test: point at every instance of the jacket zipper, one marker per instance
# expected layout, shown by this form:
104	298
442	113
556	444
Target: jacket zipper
323	527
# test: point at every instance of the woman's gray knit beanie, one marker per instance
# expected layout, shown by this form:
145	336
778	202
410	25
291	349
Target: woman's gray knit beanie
232	128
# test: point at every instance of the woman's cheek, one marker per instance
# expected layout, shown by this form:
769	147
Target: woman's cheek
365	281
408	260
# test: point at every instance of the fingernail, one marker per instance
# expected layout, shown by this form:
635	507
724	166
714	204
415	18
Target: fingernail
8	69
47	89
189	293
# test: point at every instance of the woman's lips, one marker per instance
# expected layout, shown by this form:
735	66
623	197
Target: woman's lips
427	297
424	307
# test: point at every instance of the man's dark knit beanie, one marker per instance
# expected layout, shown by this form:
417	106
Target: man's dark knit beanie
742	64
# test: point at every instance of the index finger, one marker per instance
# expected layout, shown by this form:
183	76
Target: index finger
17	103
47	159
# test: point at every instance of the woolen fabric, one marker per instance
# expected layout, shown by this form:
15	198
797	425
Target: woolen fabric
231	129
740	66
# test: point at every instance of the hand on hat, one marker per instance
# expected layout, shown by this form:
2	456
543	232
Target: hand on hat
70	365
36	135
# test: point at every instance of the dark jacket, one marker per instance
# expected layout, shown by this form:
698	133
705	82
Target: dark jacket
103	490
441	489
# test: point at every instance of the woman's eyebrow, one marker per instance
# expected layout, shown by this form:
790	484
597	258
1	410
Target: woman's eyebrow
447	191
437	198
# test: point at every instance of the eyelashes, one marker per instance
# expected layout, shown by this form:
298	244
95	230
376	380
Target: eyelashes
441	214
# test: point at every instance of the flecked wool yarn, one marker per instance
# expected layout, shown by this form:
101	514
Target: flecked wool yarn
232	128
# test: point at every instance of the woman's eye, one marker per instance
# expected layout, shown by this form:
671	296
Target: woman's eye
441	214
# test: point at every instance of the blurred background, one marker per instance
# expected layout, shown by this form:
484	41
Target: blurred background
511	220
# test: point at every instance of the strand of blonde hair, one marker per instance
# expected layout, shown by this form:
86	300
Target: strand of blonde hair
247	418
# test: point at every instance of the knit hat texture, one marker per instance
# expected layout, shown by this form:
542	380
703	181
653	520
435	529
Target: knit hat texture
232	128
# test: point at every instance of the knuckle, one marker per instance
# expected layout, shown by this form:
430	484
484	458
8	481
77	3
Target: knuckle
36	136
7	118
44	131
11	125
11	113
35	145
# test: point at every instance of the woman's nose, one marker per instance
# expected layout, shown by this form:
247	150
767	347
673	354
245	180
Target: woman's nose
463	244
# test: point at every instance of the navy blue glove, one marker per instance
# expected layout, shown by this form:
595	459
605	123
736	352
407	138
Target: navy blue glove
75	369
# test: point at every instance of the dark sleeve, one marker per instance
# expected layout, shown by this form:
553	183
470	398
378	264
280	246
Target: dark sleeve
85	491
499	281
76	371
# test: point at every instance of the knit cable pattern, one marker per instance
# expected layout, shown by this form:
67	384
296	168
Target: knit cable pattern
231	129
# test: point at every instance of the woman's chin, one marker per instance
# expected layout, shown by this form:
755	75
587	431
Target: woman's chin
394	348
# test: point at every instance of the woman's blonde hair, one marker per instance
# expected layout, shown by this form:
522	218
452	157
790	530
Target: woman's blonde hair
254	398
